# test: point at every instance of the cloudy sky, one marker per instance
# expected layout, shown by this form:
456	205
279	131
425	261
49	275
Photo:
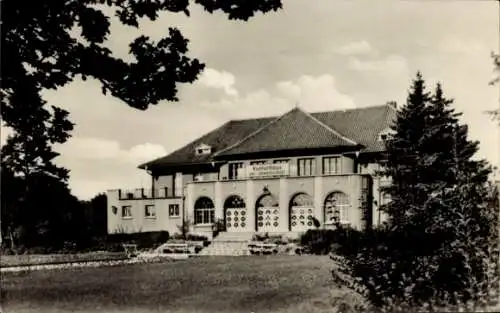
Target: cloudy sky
324	55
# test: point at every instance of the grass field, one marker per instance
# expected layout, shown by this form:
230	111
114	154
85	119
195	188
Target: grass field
217	284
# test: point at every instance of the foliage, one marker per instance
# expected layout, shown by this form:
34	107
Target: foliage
495	114
316	222
184	228
260	237
144	240
45	45
218	226
322	241
40	49
440	245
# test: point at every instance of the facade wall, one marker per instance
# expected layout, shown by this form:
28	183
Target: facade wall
138	222
164	181
284	190
218	188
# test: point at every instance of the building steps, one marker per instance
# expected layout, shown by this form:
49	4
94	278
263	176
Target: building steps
229	244
233	248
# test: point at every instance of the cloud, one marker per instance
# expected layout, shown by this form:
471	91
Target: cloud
98	164
97	149
219	80
464	47
357	48
312	93
392	66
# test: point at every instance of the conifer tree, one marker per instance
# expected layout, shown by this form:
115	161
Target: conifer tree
439	246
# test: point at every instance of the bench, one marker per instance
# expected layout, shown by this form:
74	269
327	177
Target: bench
176	248
130	250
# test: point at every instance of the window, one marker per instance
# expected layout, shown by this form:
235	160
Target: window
204	212
280	161
337	208
150	211
126	211
203	149
386	134
173	210
258	162
332	165
234	168
306	167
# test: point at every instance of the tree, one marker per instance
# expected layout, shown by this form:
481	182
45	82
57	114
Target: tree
495	114
39	50
96	215
440	243
27	159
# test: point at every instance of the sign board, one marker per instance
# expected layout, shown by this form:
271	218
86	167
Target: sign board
267	170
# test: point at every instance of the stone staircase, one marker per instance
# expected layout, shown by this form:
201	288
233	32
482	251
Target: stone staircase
230	244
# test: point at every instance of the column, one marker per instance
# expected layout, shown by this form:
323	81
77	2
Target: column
189	203
218	202
318	199
284	209
250	204
178	185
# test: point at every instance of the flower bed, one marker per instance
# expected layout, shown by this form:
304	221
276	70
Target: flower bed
41	259
88	263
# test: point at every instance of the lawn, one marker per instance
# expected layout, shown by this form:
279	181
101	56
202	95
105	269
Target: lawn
213	284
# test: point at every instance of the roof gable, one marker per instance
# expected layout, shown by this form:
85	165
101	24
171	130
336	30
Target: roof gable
294	130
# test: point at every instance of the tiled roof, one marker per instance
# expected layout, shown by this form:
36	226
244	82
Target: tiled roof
295	129
291	131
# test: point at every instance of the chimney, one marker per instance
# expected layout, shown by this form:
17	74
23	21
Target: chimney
393	104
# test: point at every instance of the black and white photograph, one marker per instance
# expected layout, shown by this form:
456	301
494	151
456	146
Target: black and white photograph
250	156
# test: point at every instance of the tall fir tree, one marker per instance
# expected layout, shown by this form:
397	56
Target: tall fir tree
439	246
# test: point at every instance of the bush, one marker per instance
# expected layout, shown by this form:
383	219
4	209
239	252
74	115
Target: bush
320	241
143	240
192	237
260	237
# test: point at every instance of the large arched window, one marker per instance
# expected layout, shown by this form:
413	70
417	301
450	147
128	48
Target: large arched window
235	213
301	212
268	213
204	211
337	208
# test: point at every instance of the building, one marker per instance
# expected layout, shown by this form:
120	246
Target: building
269	174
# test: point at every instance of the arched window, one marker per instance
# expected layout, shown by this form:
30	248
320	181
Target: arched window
204	211
301	212
336	208
235	213
268	213
267	201
234	202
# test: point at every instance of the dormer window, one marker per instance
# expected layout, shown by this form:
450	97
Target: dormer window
385	134
203	149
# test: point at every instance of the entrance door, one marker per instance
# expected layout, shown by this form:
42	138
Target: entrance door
268	214
301	212
235	214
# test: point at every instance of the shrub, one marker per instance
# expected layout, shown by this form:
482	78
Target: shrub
320	241
260	237
143	240
193	237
